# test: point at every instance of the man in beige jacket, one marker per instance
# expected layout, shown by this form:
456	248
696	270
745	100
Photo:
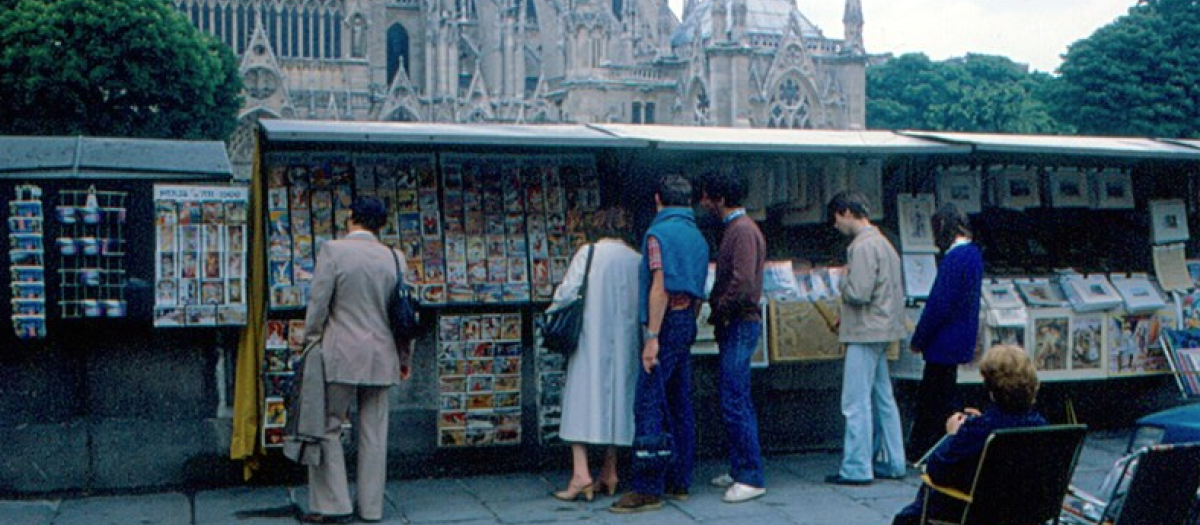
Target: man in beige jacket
347	313
872	318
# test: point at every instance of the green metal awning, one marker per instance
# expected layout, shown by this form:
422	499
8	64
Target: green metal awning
1069	145
833	142
112	158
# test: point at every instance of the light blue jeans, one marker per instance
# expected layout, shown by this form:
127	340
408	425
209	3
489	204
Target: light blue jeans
874	443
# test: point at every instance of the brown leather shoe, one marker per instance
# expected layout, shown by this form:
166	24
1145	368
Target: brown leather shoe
633	502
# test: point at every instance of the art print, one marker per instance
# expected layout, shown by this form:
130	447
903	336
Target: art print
1051	347
1114	189
960	185
1169	221
916	230
1017	188
1070	188
1088	342
920	271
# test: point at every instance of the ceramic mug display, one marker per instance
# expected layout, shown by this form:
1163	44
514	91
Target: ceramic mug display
89	276
66	214
114	308
66	246
91	308
89	245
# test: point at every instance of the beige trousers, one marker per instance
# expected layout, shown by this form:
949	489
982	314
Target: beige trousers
328	490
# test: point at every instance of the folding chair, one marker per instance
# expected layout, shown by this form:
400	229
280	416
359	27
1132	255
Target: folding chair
1161	489
1022	477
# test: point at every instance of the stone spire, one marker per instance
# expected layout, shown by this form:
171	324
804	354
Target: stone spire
853	21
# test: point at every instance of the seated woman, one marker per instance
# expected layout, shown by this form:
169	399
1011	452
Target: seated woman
1011	382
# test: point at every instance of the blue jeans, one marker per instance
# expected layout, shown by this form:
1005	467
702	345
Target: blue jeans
667	406
738	342
872	419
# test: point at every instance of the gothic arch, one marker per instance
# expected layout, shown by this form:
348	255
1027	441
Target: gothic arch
404	114
397	50
792	103
699	104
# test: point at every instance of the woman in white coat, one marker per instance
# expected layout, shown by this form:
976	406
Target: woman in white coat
602	373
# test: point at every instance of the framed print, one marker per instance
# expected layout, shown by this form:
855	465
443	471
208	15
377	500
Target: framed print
864	175
1017	188
960	185
1001	295
920	270
1169	221
1050	329
1114	189
1134	347
916	230
803	331
1091	294
1139	294
1069	188
1088	345
909	365
1041	293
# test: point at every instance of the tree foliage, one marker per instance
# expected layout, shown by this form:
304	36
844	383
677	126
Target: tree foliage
981	93
1139	75
132	68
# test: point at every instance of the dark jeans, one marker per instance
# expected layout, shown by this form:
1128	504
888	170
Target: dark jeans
737	342
937	398
667	406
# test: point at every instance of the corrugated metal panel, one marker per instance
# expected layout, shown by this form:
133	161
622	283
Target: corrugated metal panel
1127	147
780	140
548	136
112	158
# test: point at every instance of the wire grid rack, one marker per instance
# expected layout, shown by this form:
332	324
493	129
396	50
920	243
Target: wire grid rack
91	251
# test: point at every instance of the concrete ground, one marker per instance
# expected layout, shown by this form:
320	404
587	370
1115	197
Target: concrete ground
796	496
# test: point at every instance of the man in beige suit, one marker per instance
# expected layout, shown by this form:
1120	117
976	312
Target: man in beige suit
347	313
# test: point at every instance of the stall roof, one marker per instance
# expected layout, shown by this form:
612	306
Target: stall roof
1191	143
779	140
531	135
112	158
1128	147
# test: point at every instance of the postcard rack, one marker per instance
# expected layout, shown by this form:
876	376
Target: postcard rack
91	251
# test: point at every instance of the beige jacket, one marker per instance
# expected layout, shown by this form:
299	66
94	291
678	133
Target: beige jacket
872	291
347	311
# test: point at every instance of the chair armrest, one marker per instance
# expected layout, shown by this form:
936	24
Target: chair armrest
948	491
1077	493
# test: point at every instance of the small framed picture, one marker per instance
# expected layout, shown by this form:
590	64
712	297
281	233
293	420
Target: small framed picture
1017	188
1069	188
916	230
1169	219
1114	189
920	270
959	185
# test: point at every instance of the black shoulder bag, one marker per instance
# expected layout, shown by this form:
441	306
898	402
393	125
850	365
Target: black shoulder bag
560	326
404	310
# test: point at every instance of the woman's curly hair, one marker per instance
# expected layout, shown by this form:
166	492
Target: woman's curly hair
1010	376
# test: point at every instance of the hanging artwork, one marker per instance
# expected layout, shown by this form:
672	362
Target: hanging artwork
200	255
1114	189
27	255
1070	188
1169	221
920	270
1017	188
960	185
914	212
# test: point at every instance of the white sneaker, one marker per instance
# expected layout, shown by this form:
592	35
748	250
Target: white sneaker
724	480
739	492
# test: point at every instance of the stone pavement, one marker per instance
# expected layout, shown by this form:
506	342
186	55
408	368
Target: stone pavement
796	496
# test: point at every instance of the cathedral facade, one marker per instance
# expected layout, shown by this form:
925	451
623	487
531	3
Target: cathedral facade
738	63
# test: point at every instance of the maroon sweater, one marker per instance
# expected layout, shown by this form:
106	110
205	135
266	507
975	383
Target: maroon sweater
739	281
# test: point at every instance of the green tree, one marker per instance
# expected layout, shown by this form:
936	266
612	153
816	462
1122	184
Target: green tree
1137	76
132	68
974	93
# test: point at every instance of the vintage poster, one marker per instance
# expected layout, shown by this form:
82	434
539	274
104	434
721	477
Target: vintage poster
1134	347
916	231
200	257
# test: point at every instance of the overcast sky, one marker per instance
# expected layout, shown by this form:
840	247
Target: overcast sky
1034	32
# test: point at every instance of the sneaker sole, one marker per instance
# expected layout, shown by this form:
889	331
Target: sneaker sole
634	510
743	500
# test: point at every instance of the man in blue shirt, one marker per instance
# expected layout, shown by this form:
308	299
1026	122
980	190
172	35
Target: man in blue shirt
674	268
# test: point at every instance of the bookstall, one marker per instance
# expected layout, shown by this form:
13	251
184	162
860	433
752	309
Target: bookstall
81	364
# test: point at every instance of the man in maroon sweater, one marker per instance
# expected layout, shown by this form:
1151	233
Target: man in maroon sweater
738	324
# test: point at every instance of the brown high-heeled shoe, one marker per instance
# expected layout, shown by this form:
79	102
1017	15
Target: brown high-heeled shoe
606	487
573	492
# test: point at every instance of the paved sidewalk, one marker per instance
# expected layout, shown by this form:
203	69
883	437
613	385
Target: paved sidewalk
796	496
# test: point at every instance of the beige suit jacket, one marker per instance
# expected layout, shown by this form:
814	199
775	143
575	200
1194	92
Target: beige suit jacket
347	311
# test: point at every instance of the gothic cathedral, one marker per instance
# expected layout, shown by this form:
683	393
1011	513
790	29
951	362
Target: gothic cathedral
737	63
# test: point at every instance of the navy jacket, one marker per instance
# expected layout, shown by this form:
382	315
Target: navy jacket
949	325
684	257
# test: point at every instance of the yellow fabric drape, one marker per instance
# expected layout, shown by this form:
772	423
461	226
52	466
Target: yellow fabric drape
247	388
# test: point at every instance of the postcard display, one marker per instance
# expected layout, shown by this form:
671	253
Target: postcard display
482	229
91	248
285	342
200	260
26	253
